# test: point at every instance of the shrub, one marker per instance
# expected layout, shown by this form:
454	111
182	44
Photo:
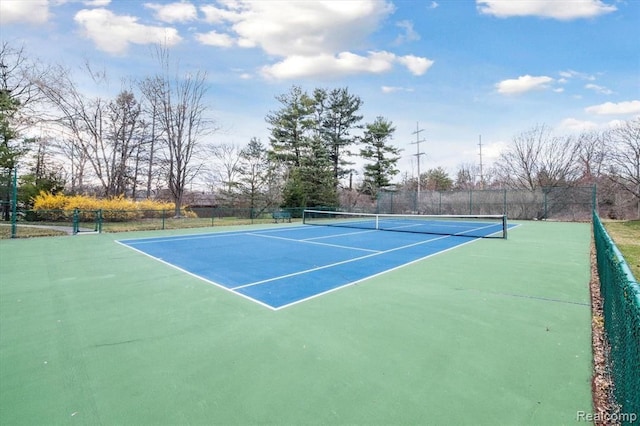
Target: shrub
115	209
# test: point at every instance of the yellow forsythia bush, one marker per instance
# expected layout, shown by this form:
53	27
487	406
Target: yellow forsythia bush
113	209
48	201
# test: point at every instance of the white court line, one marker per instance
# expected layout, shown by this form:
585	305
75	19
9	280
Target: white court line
152	240
313	296
355	259
230	290
340	235
313	242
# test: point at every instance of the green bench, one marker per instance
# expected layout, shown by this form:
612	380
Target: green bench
281	216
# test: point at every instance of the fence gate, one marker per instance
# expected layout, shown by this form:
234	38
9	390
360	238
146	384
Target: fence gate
87	221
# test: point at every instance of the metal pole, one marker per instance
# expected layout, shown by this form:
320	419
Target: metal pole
76	221
14	204
418	154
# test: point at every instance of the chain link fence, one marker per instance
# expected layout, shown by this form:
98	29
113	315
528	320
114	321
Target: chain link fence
621	307
558	203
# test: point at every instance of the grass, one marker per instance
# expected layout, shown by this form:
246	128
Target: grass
626	235
28	232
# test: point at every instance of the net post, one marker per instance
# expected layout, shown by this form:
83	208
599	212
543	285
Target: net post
304	217
76	221
99	219
504	226
377	222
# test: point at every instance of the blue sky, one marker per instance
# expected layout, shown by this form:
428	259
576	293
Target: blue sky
458	69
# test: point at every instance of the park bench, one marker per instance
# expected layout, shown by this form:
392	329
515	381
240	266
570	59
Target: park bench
281	216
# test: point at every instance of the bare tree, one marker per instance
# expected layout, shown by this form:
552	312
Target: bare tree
226	170
19	101
624	158
18	74
538	159
591	155
84	120
125	133
181	116
255	174
465	176
149	88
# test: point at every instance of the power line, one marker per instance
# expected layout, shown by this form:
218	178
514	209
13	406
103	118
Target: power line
481	174
418	153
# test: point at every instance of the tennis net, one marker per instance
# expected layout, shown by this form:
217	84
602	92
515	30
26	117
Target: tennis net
477	226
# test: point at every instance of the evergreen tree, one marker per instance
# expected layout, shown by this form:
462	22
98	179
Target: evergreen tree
291	127
437	180
297	144
382	155
338	110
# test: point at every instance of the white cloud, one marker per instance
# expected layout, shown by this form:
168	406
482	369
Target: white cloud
576	74
30	12
215	15
96	3
344	63
174	12
564	10
523	84
113	33
491	151
598	89
309	38
308	28
415	64
611	108
394	89
409	33
575	125
213	38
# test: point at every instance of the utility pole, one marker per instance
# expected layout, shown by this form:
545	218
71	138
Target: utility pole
418	154
481	174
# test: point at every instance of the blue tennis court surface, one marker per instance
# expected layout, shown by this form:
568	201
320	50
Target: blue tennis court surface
279	267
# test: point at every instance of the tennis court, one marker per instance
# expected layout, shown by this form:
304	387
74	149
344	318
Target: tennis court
281	267
123	329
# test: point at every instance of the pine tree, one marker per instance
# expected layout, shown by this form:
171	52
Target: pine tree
382	155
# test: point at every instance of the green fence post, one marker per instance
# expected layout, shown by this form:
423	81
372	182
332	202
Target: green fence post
470	201
76	221
14	204
163	214
99	222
